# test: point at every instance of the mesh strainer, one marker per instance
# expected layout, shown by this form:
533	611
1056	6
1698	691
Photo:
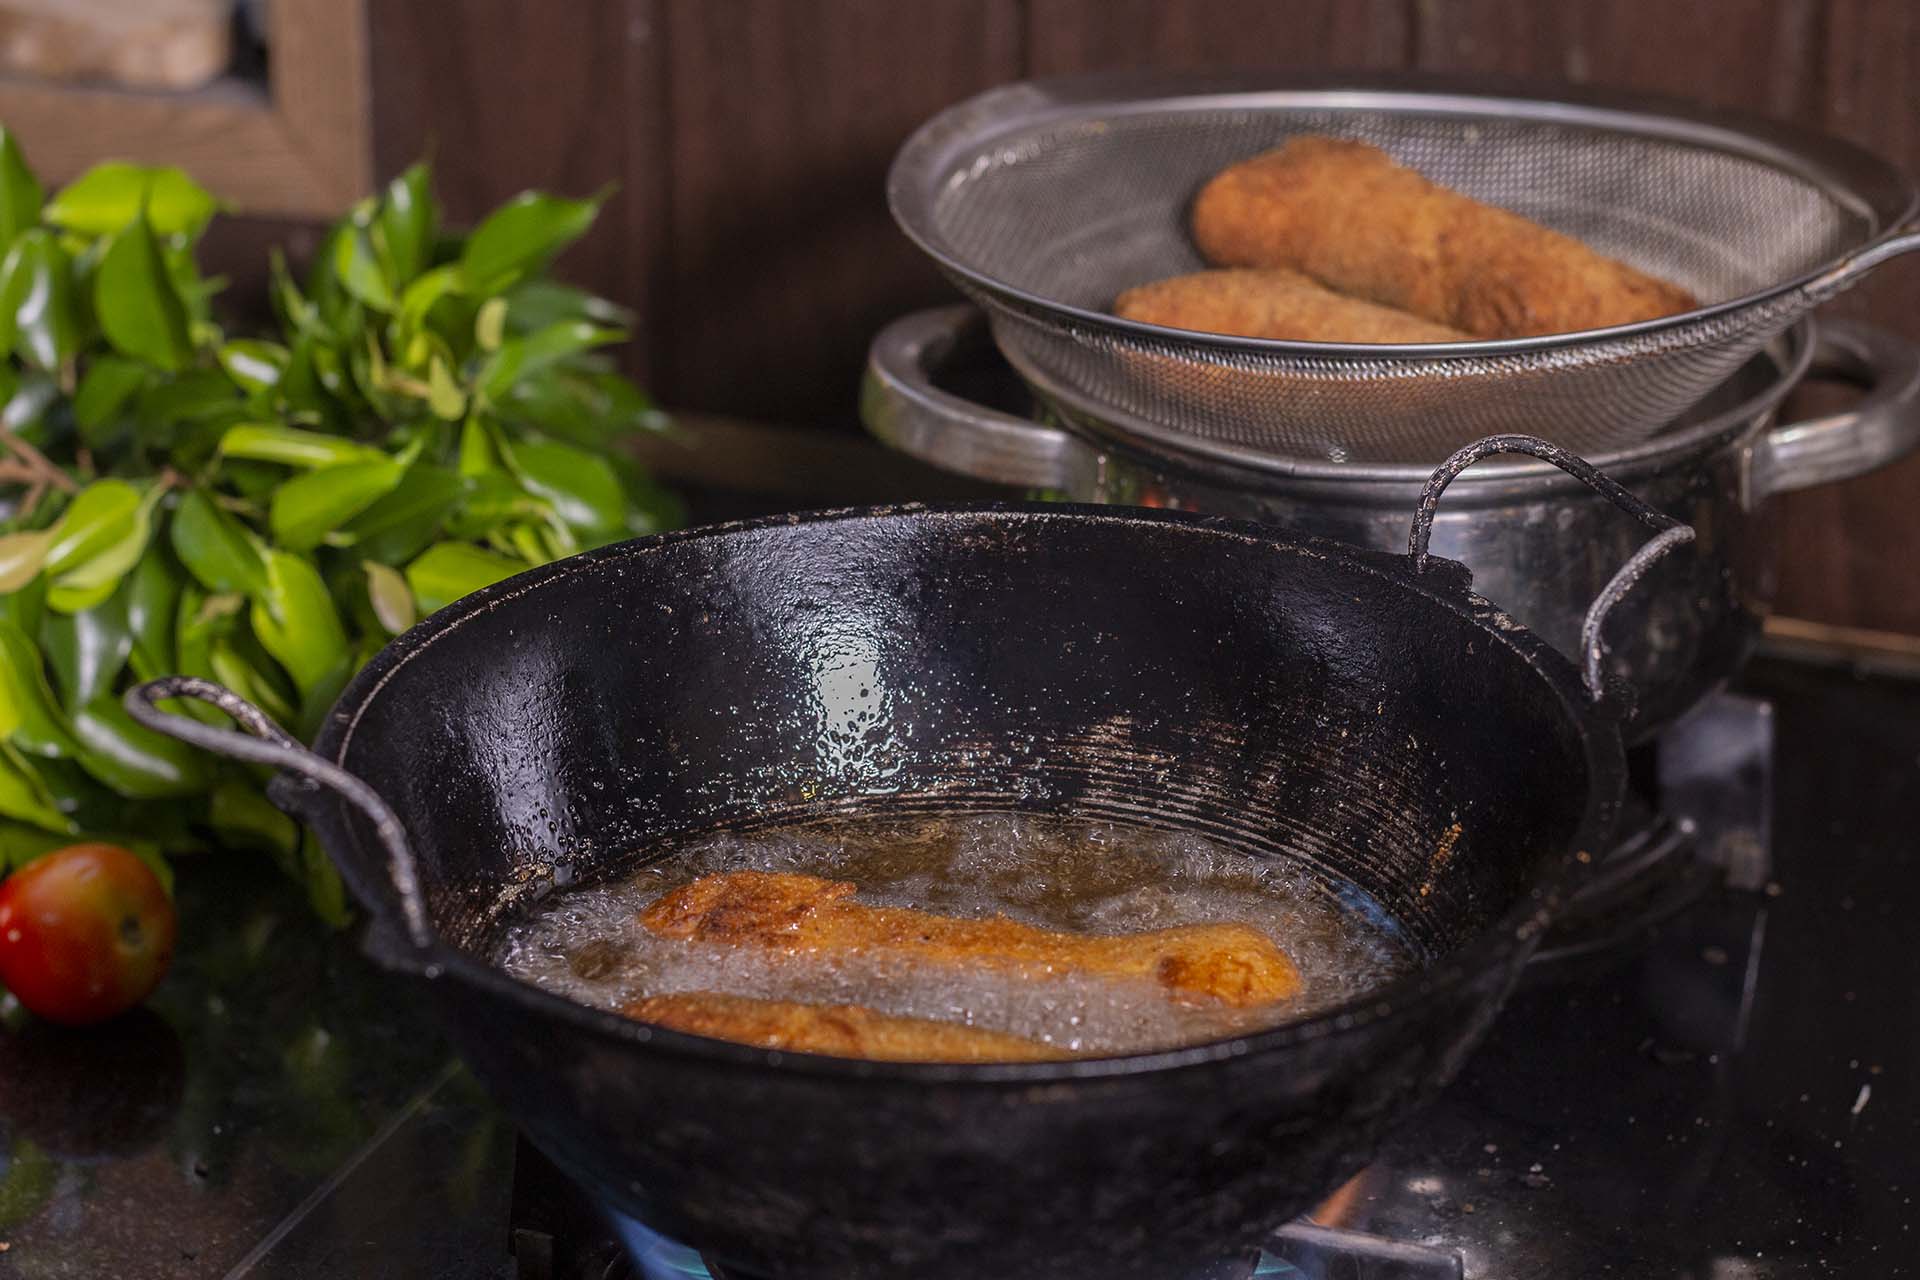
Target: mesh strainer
1044	200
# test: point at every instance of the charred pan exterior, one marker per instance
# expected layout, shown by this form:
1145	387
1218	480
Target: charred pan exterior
1345	213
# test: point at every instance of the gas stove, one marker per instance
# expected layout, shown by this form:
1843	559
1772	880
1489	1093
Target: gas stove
1709	1074
1638	1006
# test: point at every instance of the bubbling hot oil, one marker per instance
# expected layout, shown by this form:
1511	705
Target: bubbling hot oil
587	944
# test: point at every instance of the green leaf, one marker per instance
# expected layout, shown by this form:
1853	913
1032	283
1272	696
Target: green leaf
400	525
296	621
109	383
252	682
21	555
215	548
26	702
296	313
539	302
419	297
477	454
24	799
25	607
201	621
490	324
196	394
446	571
493	498
256	366
407	222
132	759
325	894
87	650
26	408
520	236
293	447
390	596
20	192
177	205
309	507
112	194
246	819
152	596
38	317
359	270
98	518
444	395
318	698
195	292
582	489
92	580
102	200
134	299
521	357
21	844
108	196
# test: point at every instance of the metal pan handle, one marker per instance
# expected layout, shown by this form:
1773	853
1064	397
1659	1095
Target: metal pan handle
265	742
1882	426
1668	533
903	408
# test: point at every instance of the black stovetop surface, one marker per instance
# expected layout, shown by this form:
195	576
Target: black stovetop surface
1740	1097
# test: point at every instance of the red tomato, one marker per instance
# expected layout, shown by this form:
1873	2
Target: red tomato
85	932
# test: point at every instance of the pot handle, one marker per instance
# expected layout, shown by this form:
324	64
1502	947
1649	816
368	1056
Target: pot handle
902	408
265	742
1883	426
1668	533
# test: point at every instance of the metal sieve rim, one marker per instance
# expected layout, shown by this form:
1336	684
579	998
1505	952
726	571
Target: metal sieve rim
1788	356
1850	176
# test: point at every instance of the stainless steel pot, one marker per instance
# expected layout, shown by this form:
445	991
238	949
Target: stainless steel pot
1536	540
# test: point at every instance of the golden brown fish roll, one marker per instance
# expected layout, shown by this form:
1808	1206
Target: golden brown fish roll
842	1030
1273	302
802	915
1347	215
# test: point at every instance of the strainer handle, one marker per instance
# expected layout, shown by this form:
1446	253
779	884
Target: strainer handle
1849	271
1668	534
903	408
265	742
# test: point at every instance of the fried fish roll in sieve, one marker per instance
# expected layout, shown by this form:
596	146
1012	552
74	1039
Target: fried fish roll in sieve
842	1030
1273	302
798	914
1347	215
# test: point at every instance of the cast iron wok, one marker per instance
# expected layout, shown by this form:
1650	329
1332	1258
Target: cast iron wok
1279	695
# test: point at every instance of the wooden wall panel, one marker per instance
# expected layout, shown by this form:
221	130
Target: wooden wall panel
505	95
1067	36
1760	55
751	139
1850	547
783	117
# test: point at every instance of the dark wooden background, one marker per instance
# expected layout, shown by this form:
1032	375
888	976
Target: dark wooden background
750	139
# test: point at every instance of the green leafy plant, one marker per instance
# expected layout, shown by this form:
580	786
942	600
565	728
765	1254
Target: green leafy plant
432	414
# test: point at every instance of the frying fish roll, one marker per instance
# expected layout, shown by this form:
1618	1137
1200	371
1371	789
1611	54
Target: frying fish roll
1233	963
1273	302
842	1030
1347	215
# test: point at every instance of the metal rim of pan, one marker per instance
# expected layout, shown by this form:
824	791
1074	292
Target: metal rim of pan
1491	952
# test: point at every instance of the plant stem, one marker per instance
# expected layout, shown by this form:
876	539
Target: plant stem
37	468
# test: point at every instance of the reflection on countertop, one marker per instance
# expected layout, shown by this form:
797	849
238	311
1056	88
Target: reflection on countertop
196	1136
